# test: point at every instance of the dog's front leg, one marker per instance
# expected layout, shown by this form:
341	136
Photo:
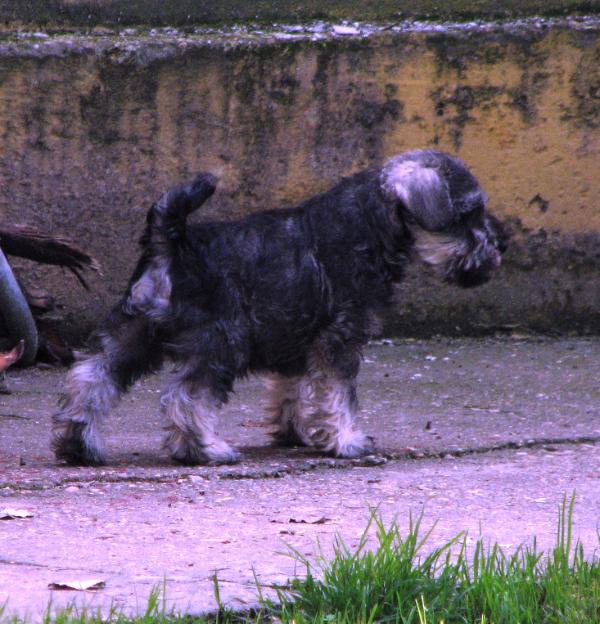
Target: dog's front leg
284	409
330	418
191	409
318	409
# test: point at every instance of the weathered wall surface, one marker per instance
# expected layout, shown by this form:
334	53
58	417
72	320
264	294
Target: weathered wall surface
93	129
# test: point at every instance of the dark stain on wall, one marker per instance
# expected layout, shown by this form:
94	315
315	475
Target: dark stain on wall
456	107
585	88
537	201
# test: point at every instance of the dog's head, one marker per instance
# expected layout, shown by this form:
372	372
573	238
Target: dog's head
443	205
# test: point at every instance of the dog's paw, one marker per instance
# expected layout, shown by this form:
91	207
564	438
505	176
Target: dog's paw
355	445
217	452
69	446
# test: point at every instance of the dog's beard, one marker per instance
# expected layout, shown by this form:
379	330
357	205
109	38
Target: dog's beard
453	260
437	249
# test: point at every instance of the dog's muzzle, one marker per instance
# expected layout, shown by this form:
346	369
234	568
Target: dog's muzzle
476	266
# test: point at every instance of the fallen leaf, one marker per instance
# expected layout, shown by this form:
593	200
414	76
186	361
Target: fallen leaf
14	514
321	520
78	585
10	357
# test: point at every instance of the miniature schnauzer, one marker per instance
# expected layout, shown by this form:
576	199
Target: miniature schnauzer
291	293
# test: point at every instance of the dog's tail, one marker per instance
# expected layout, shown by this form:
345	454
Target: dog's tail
149	290
167	217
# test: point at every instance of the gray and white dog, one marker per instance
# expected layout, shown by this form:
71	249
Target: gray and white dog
289	293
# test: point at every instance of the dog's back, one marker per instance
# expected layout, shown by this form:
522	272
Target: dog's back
279	277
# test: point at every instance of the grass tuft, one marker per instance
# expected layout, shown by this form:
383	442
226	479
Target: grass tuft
397	583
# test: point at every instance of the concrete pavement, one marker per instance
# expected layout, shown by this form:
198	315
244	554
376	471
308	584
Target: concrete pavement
484	435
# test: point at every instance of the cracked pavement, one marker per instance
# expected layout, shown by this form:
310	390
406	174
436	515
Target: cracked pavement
483	435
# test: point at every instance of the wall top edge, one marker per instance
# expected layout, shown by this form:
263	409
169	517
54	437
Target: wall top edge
33	42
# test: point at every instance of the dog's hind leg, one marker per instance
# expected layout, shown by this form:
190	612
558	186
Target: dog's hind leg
191	408
94	386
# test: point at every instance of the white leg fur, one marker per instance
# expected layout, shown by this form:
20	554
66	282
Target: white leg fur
192	438
339	414
90	396
318	410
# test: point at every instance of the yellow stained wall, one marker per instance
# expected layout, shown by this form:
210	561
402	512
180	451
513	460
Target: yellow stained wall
93	129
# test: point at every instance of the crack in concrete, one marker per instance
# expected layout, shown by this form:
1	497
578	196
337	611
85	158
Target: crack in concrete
14	417
83	480
492	448
45	566
301	467
27	564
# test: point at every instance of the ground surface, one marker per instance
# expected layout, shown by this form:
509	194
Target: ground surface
483	435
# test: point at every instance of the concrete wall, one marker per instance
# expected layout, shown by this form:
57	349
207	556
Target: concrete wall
93	128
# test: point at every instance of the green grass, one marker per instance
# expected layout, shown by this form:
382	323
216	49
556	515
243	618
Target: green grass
402	581
155	613
395	582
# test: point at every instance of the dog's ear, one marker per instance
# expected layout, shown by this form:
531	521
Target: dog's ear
422	190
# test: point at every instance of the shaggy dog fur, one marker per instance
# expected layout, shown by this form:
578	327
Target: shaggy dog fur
291	293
